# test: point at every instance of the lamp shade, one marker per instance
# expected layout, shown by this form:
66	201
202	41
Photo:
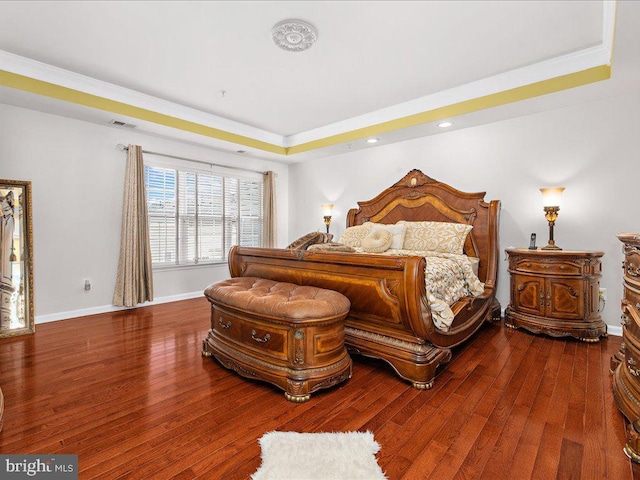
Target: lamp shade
551	196
327	209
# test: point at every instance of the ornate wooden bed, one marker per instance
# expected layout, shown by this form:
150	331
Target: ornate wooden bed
390	316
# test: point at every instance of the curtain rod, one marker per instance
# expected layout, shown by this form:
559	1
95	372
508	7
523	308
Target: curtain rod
124	148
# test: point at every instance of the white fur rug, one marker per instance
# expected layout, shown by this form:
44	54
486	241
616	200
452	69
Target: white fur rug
319	456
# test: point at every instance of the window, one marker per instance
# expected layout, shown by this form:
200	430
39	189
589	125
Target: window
195	216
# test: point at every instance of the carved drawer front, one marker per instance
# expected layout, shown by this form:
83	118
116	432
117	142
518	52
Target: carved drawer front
226	325
631	319
631	297
548	268
632	361
267	338
631	266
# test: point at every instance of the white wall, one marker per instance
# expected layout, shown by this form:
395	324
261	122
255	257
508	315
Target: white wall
77	177
593	150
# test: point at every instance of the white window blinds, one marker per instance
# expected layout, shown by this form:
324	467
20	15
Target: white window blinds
196	216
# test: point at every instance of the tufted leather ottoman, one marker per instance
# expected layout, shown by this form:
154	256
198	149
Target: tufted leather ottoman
289	335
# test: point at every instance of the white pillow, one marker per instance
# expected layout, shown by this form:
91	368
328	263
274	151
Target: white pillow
398	231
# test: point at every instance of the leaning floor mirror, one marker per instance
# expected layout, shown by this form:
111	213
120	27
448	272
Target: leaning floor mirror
16	259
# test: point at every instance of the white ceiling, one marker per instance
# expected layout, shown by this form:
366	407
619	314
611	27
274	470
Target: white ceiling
373	62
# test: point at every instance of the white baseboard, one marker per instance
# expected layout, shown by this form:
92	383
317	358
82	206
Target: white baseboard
614	330
53	317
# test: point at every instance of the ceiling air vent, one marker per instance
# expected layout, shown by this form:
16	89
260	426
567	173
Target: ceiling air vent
119	123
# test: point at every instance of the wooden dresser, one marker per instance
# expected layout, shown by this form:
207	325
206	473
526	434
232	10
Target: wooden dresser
626	377
556	292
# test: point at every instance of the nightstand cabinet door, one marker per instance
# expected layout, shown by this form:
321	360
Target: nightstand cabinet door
527	294
556	292
565	298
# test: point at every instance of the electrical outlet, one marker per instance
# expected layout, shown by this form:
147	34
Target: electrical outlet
87	284
603	294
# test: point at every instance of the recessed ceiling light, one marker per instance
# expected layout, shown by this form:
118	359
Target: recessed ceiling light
372	140
445	124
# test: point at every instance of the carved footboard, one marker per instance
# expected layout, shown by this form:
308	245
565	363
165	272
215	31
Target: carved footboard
389	317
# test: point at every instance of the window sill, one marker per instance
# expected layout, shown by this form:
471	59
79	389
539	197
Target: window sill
171	268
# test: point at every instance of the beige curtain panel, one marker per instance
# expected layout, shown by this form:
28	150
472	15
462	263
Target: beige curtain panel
269	205
134	283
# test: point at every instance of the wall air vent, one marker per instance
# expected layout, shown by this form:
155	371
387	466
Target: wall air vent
119	123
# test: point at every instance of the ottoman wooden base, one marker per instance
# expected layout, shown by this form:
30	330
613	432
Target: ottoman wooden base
281	333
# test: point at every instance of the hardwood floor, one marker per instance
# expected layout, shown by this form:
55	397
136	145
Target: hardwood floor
130	394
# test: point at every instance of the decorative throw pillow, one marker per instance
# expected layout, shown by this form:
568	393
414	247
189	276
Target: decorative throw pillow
440	237
330	247
378	241
353	236
312	238
397	231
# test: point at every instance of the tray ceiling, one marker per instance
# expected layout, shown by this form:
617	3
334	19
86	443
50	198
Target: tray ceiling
209	72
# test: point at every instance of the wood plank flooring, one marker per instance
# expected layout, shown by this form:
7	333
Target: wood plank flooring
130	393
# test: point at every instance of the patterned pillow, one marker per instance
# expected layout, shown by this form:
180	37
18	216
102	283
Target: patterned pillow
378	241
440	237
310	239
397	231
353	236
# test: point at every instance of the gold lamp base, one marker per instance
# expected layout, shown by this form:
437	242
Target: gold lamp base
551	214
327	221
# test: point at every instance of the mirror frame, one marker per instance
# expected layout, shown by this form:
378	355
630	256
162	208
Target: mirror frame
26	253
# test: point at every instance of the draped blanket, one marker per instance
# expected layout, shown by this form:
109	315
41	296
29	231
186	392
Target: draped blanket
449	277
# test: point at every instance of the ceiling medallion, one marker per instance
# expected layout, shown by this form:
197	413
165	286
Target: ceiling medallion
294	35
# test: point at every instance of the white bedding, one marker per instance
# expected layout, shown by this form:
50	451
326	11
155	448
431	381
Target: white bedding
449	277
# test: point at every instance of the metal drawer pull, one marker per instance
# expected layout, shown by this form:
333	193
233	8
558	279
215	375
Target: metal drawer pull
224	325
631	361
548	300
563	267
542	299
258	339
637	306
634	371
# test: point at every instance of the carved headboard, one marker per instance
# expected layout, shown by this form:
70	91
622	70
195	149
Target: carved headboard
417	197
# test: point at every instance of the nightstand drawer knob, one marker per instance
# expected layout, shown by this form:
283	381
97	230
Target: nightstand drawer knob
563	267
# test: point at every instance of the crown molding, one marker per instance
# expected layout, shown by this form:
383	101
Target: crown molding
566	71
75	82
533	75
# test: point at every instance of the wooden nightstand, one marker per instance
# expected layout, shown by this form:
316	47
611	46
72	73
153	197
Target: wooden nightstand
556	292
